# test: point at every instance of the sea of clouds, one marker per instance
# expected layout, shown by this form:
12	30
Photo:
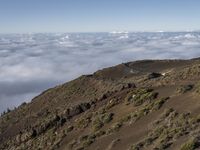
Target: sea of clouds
31	63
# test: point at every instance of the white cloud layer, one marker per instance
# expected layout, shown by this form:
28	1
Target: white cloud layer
31	63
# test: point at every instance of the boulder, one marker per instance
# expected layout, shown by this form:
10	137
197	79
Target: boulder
75	110
154	75
85	106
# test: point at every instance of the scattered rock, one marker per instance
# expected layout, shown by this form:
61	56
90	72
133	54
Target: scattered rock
184	88
75	110
85	106
154	75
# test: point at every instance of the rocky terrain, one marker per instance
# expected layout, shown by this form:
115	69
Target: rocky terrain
141	105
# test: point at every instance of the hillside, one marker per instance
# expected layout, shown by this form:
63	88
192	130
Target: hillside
141	105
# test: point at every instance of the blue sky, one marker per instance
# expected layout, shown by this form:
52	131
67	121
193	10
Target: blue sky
98	15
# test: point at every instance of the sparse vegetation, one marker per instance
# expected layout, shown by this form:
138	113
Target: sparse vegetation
139	96
192	144
89	109
88	141
97	124
158	104
100	120
99	133
114	128
197	88
165	134
84	121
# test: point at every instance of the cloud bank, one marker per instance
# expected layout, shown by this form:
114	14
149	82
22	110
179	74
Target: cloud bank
31	63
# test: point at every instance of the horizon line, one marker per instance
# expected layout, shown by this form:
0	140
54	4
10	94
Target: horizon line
113	31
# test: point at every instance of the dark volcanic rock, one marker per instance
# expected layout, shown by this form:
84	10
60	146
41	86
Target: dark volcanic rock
154	75
75	110
85	106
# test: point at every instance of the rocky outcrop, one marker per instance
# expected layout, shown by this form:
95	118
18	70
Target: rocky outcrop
77	109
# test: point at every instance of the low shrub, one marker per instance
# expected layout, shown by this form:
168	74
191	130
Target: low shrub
83	122
139	96
158	104
99	133
190	145
99	121
97	124
87	140
106	118
114	128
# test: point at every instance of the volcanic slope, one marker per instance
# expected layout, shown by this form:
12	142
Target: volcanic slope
149	104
